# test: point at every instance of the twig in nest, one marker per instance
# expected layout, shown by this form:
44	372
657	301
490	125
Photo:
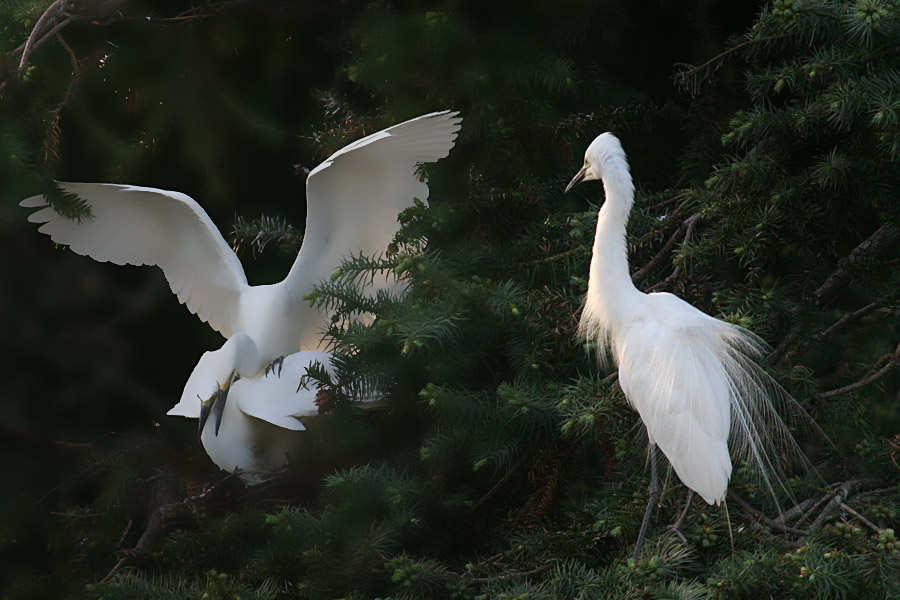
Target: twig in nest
845	491
864	520
749	510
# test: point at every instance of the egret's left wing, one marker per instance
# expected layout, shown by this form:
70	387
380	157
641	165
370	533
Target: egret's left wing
275	398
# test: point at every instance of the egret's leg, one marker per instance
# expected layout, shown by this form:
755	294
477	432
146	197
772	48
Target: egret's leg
654	496
278	362
676	526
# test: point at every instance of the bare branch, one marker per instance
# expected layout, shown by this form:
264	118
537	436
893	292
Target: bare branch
691	224
864	520
892	362
749	510
663	253
884	239
689	76
506	576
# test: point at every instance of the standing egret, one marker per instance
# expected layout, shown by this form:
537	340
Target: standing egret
353	199
691	377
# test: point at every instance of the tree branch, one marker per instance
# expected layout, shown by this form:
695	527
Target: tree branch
691	224
892	363
884	239
749	510
662	254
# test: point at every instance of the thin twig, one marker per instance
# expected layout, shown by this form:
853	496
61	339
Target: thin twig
849	318
496	488
868	523
664	252
846	490
796	511
712	65
892	363
507	576
747	509
691	223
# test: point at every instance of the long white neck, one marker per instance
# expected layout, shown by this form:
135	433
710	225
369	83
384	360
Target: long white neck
610	278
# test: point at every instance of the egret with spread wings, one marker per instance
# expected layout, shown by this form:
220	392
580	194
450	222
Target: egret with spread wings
353	199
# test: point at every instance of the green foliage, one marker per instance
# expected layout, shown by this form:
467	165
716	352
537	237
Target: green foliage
501	461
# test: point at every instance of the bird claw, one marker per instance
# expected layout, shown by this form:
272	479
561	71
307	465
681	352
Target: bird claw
675	528
278	362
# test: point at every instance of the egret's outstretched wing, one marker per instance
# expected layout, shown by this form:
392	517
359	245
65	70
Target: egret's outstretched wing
275	398
353	198
145	226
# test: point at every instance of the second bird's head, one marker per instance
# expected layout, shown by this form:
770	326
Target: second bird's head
603	155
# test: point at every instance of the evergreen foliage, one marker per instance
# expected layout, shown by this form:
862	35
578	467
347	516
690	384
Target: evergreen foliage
502	462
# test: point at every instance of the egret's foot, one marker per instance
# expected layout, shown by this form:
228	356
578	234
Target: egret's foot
278	362
675	528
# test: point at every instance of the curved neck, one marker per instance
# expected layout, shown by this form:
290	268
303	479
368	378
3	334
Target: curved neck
609	275
245	358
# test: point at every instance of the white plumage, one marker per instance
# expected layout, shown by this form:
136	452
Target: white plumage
691	377
353	199
246	440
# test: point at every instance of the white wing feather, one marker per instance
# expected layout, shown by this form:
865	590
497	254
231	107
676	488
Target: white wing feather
693	380
271	398
675	382
145	226
275	398
354	197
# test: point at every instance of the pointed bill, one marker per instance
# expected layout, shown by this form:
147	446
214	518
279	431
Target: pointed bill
579	177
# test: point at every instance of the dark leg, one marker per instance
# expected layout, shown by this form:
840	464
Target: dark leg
679	522
654	496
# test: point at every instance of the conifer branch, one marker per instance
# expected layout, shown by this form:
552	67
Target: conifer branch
508	576
657	260
498	486
893	360
862	519
259	233
690	76
872	247
749	510
691	224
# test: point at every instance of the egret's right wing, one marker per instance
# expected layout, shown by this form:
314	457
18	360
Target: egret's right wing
354	197
671	370
275	397
145	226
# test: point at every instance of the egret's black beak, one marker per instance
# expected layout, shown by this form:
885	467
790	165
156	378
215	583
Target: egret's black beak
215	404
579	177
205	406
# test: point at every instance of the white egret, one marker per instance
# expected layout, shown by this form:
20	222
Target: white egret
255	432
691	377
353	199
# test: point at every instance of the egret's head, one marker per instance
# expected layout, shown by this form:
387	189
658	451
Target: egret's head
604	153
